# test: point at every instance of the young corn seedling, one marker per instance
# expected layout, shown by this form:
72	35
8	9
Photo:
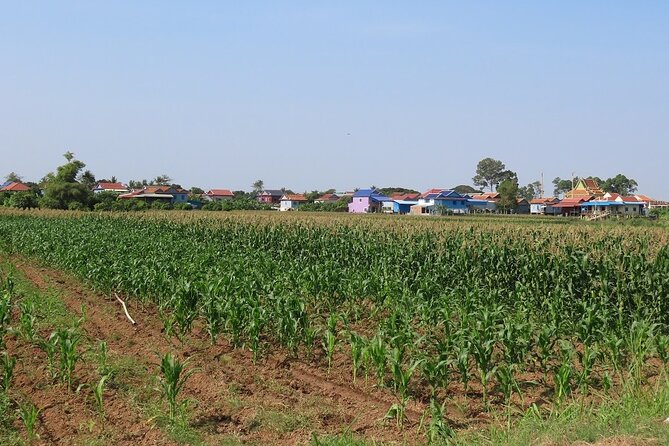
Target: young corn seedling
330	338
173	379
436	373
639	342
49	347
438	431
563	374
29	414
98	393
507	384
357	348
376	351
68	342
401	378
7	362
5	315
28	320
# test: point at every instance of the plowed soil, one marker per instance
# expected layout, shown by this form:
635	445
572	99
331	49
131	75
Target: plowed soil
278	400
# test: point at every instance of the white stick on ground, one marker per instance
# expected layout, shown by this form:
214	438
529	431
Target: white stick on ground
125	309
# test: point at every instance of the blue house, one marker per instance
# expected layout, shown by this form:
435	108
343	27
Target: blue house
403	206
437	201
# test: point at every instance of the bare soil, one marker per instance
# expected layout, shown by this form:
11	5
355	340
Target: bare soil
278	400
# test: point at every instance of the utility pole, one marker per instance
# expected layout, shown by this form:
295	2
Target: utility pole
542	185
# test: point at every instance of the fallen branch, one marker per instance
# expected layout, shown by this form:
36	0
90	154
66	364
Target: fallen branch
125	309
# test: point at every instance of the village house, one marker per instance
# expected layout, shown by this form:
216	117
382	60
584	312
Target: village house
14	186
612	204
368	201
117	188
522	206
542	206
402	207
437	201
218	195
327	198
570	206
151	194
270	196
290	202
486	202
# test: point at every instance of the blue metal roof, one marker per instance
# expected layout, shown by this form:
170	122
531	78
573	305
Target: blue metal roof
608	203
379	198
364	192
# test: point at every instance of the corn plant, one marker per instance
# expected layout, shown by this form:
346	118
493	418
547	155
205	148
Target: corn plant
437	430
173	378
7	363
28	320
357	349
401	377
376	350
98	394
330	338
29	414
5	314
564	373
68	342
639	342
49	347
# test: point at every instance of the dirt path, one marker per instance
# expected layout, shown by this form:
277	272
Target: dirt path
276	401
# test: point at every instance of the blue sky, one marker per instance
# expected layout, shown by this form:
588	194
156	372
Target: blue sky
312	95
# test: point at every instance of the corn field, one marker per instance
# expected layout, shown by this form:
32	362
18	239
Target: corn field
422	307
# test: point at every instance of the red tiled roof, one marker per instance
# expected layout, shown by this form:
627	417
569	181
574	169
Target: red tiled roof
293	197
545	200
16	187
432	191
111	186
570	202
644	198
398	196
631	200
592	184
328	197
486	196
220	193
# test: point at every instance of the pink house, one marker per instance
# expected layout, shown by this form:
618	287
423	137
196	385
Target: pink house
367	201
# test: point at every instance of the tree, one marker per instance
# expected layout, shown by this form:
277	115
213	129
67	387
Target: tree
388	191
619	184
137	184
508	195
87	179
162	180
532	190
62	190
560	186
196	191
465	189
258	186
22	200
13	177
489	173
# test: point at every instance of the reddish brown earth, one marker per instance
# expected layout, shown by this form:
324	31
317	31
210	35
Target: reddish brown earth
278	400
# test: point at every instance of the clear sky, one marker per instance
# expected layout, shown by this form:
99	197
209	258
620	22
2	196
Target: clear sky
312	95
